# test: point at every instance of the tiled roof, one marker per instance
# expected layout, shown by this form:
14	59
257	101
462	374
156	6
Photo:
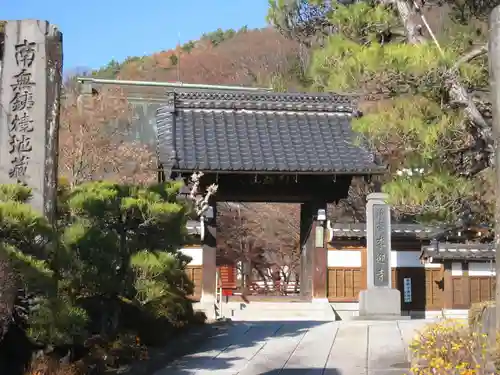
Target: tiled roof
260	132
359	230
450	251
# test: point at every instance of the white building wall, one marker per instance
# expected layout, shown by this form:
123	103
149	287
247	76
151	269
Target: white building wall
352	258
344	258
196	254
456	269
405	259
482	269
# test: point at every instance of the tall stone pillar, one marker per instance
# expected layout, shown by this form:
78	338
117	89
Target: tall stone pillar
31	78
379	300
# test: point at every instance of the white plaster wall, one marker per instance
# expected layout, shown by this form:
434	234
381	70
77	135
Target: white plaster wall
352	258
482	269
344	258
409	259
405	259
456	269
433	265
196	253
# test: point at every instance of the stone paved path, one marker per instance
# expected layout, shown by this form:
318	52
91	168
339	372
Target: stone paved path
303	347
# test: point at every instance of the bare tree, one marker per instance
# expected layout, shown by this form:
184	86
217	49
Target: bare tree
264	239
237	243
95	143
280	230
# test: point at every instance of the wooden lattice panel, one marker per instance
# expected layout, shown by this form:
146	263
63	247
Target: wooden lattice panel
459	292
344	284
434	289
195	275
482	288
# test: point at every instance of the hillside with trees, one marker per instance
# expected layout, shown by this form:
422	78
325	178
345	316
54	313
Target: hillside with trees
230	57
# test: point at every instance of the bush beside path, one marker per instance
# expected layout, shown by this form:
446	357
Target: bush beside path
457	347
98	289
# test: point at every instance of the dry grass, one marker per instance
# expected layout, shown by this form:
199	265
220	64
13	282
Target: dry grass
48	366
102	356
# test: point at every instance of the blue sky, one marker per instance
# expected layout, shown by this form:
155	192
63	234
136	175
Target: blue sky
96	31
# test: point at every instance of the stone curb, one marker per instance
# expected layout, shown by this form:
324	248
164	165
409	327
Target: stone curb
159	358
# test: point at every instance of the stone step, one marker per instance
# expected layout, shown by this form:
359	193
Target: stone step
294	306
278	306
260	311
273	311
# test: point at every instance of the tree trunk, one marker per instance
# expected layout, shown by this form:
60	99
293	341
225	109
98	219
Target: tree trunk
7	293
494	57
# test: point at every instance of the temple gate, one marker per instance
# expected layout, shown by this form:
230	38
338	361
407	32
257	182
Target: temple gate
264	147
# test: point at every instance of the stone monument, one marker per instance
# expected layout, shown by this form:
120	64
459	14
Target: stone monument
379	300
31	79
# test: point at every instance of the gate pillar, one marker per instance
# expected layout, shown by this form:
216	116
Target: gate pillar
314	266
209	248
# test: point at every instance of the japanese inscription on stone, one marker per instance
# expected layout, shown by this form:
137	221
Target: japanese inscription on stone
29	109
381	243
20	126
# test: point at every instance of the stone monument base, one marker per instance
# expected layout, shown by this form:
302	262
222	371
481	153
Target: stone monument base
380	304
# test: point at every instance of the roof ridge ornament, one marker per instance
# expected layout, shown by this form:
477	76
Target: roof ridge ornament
165	127
170	102
234	100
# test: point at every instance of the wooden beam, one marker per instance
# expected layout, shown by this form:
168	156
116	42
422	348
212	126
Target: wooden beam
209	248
306	261
320	260
314	256
277	188
466	285
448	285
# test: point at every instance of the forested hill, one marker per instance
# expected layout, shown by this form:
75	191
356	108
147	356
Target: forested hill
230	57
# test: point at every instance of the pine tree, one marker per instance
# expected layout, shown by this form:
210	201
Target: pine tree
27	241
424	96
121	245
114	245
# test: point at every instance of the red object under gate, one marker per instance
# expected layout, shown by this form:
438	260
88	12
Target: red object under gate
227	274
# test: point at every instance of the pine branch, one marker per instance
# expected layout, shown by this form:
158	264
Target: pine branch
471	55
458	93
412	29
